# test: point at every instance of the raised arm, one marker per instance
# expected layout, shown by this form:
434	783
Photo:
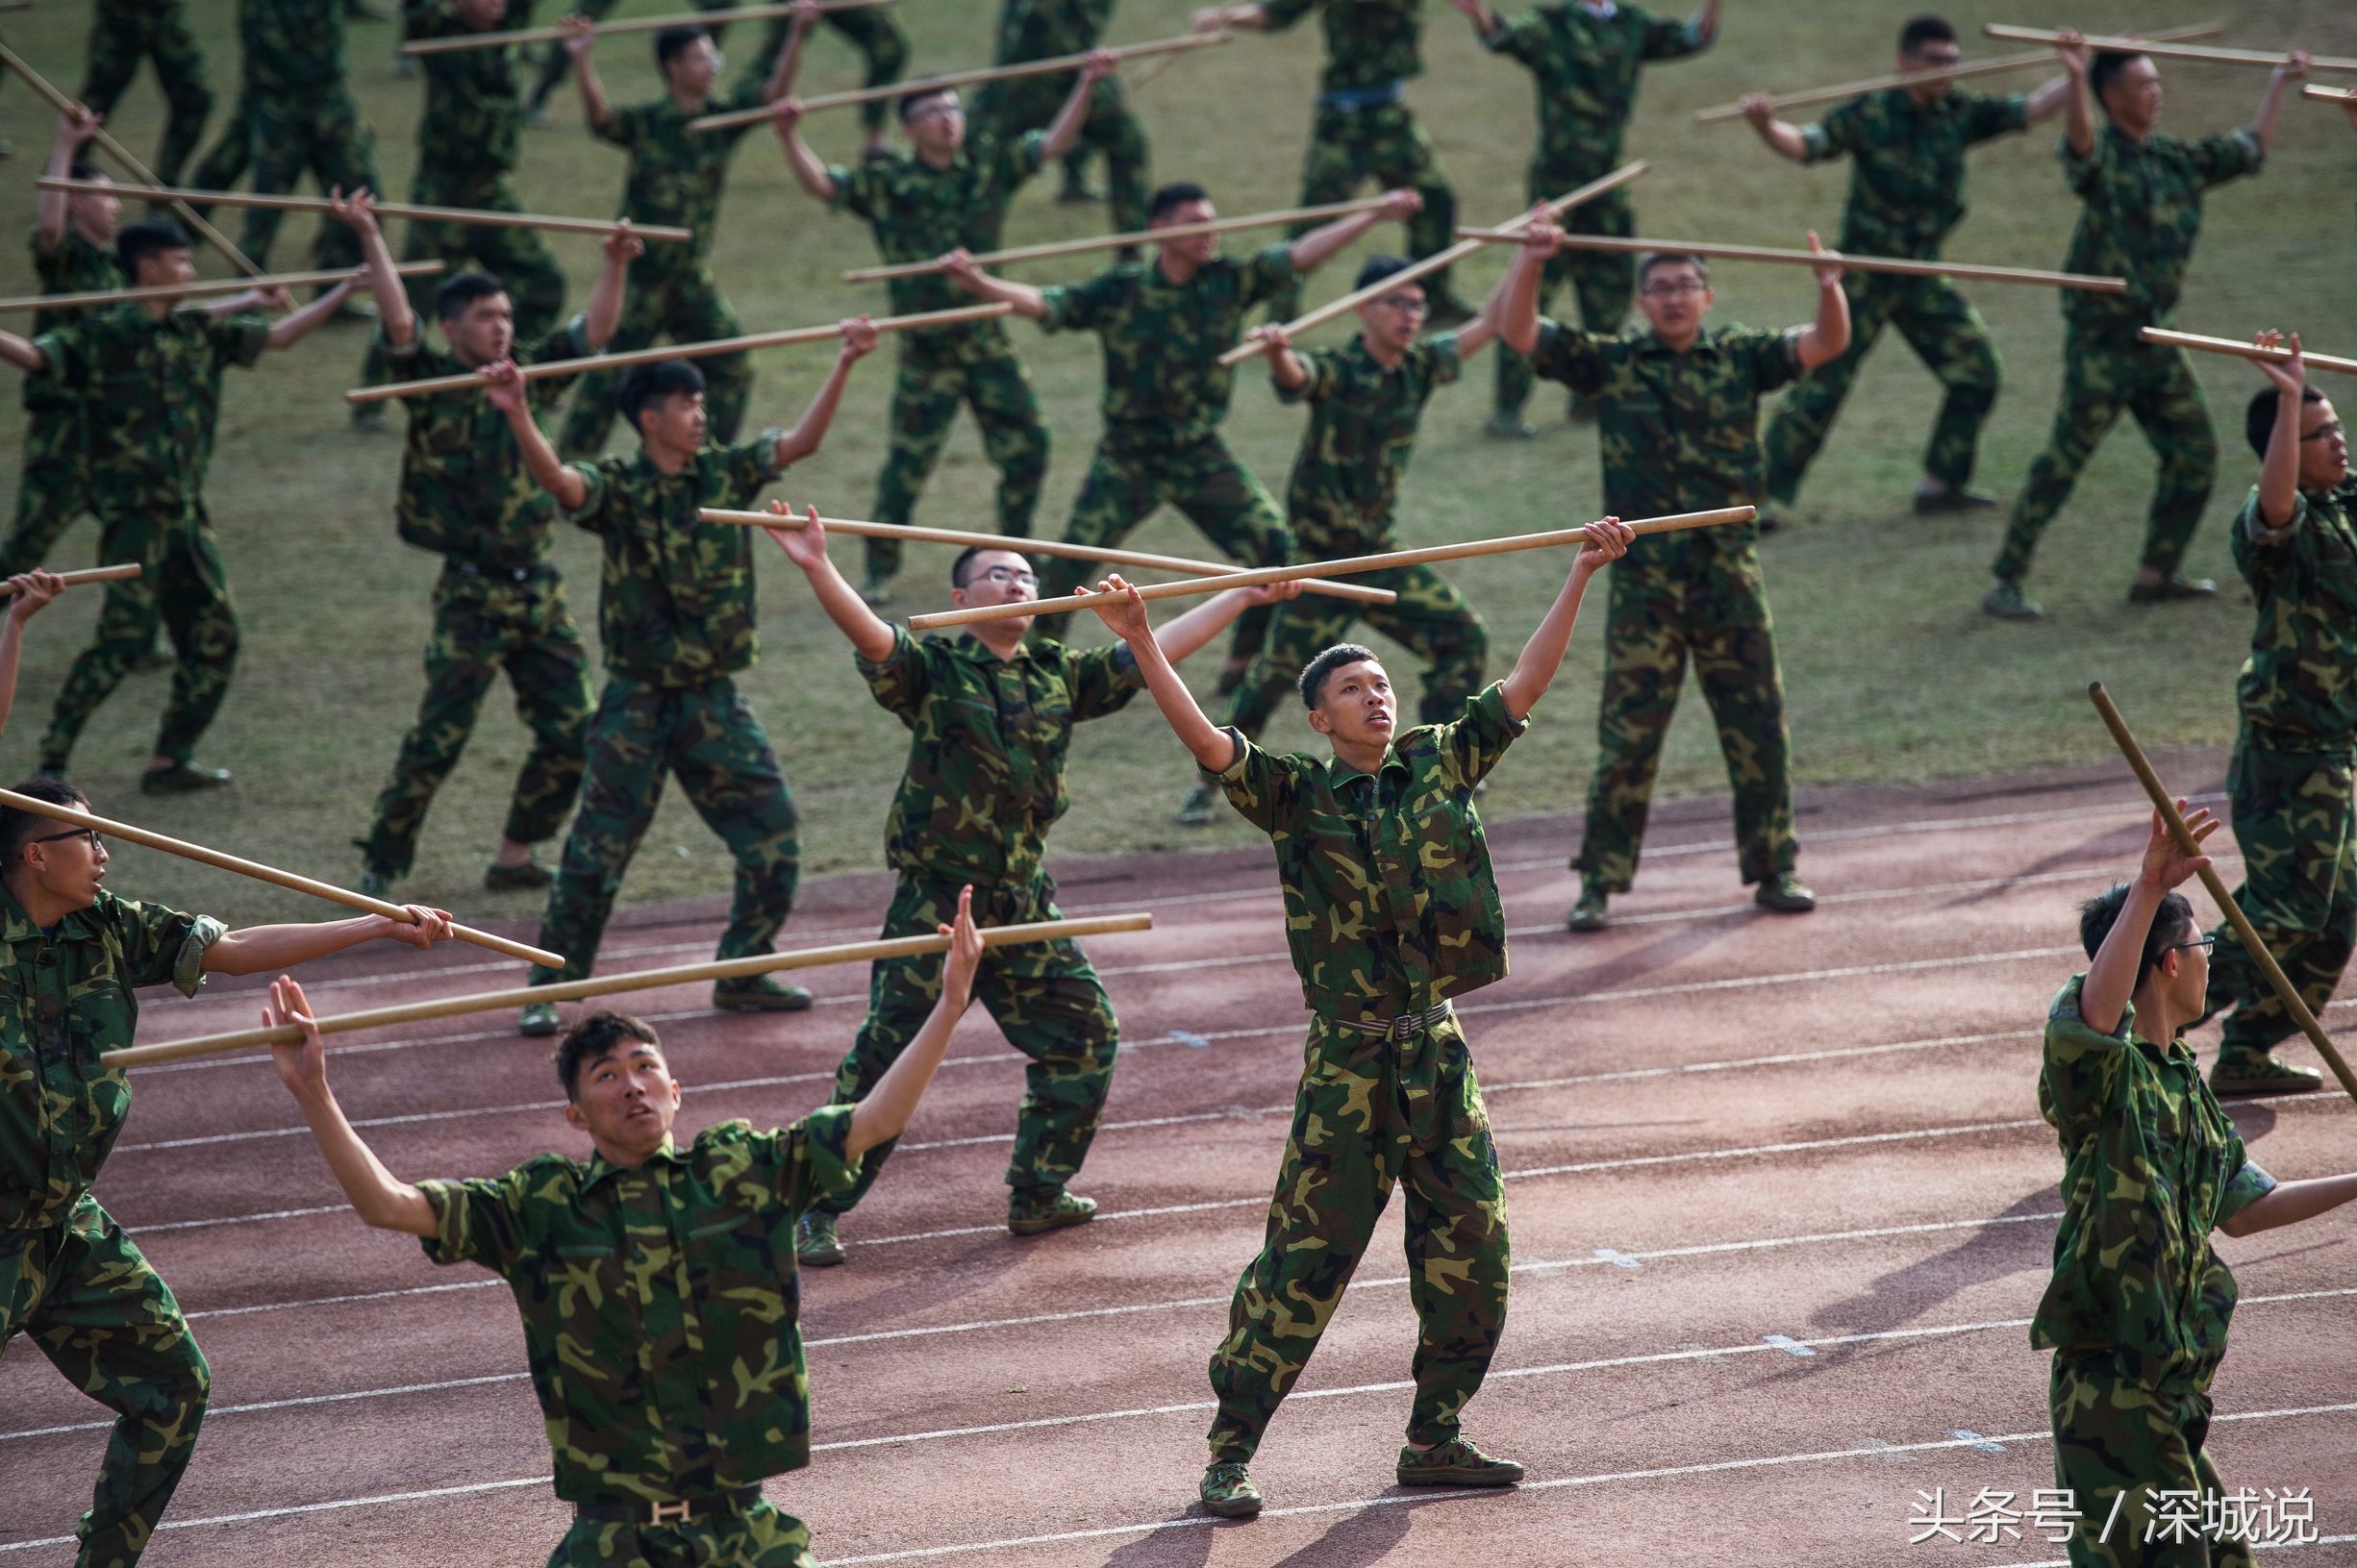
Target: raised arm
2271	97
870	634
1183	636
2049	98
358	214
1518	312
1608	540
34	589
810	170
1244	18
53	211
294	327
1320	244
580	38
799	443
2112	976
1706	22
505	385
1485	20
1213	748
1028	301
1825	337
381	1199
1781	135
1288	370
259	949
884	1111
789	59
2079	98
1475	335
1063	131
2279	470
604	311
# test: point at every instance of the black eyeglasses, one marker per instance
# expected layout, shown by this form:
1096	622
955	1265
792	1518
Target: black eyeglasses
2205	943
2328	429
90	834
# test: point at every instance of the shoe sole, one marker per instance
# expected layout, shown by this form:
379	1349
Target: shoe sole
1456	1478
791	1005
2234	1090
820	1260
539	1032
1234	1510
1787	909
1040	1227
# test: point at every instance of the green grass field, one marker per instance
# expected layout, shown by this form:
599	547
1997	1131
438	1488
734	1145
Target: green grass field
1893	671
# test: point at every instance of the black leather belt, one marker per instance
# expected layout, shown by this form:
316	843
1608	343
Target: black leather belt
674	1510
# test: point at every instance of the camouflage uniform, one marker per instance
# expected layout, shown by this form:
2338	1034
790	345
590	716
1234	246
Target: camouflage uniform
675	178
916	213
1363	420
155	390
125	32
1031	30
2142	213
68	1276
1906	193
1391	909
2135	1312
54	488
1586	70
297	114
1165	394
676	618
984	783
2294	761
661	1309
467	495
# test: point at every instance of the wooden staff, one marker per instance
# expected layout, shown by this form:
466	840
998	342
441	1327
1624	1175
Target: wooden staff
959	78
635	24
675	351
202	286
1864	263
1437	260
255	869
644	980
1034	547
131	165
93	574
1946	73
2243	350
1136	237
1343	567
2338	95
481	217
2167	804
2113	45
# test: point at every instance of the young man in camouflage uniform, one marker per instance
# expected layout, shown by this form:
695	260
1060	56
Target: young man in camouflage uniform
467	496
1392	912
1585	58
1165	324
677	621
2142	190
2137	1309
1906	194
69	1277
675	178
125	32
1030	30
2294	760
1678	422
627	1358
990	715
944	196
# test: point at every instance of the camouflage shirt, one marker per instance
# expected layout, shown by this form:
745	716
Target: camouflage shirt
2142	213
2298	688
987	740
1363	420
465	492
2150	1166
675	601
472	129
1391	903
660	1304
293	48
1585	67
675	173
1369	44
156	386
1165	386
1907	169
1049	29
917	213
66	997
75	267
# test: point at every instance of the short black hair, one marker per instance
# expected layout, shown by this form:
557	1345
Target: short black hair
1378	269
920	89
1176	194
1925	30
2259	420
972	553
1314	674
83	169
2171	922
453	298
673	41
138	241
644	383
20	828
2108	64
593	1039
1646	262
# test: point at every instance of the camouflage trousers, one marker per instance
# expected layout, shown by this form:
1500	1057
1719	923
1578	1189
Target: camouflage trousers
1603	282
710	741
1946	334
2102	379
684	305
1381	144
2293	821
186	589
53	489
1371	1112
874	34
125	32
2115	1434
1703	600
1030	103
320	135
105	1319
759	1537
482	625
518	258
1045	999
931	382
1431	620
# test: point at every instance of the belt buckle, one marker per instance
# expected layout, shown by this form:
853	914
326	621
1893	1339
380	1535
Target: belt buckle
1402	1027
679	1512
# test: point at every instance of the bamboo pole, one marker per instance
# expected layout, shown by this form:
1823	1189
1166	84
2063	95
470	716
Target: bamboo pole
131	165
644	980
2119	44
2166	804
93	574
1437	260
1343	567
1136	237
675	351
255	869
959	78
1948	73
202	286
635	24
2241	349
481	217
1898	265
1034	547
2338	95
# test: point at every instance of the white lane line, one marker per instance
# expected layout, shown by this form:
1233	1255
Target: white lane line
310	1302
293	1510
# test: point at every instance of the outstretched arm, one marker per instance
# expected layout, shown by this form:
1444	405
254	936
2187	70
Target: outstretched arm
884	1111
2279	470
2079	98
810	170
2112	976
1288	370
54	208
380	1197
1213	748
2050	98
506	388
799	443
259	949
1781	135
293	327
23	354
1028	302
2291	1202
1825	337
580	38
1517	314
605	308
1314	249
1608	540
2270	99
358	214
870	634
1184	636
34	589
1063	132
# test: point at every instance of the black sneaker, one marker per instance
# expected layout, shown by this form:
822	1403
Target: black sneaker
181	778
1932	502
512	878
760	994
2170	589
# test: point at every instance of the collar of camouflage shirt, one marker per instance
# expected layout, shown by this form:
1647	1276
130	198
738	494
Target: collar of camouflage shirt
600	1167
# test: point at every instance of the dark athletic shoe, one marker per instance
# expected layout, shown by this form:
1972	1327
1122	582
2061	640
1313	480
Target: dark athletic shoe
1934	502
538	1020
760	994
181	778
1456	1462
876	591
157	657
375	883
1507	425
1588	914
1196	810
2006	601
2171	588
1784	894
514	879
1066	1208
1228	1493
1078	193
1447	312
815	1243
2239	1074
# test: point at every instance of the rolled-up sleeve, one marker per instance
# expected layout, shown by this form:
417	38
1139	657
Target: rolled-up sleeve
475	1222
2250	1183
